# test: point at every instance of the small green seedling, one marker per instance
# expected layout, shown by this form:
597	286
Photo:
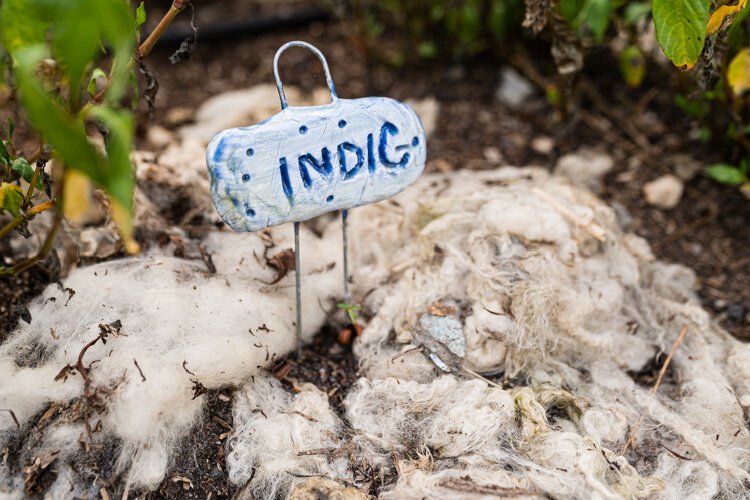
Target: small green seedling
351	311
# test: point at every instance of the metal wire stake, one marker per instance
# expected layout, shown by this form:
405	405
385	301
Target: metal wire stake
298	289
345	229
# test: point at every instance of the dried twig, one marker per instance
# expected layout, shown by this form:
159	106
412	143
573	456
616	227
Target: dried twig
143	377
681	457
13	416
677	342
466	485
481	377
177	7
222	423
207	259
413	350
593	228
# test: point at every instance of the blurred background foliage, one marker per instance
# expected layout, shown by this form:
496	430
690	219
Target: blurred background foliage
704	40
72	69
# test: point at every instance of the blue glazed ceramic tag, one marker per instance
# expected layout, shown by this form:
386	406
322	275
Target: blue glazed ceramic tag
306	161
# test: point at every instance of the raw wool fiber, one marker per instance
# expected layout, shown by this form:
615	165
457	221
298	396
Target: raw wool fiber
556	299
176	317
280	438
557	306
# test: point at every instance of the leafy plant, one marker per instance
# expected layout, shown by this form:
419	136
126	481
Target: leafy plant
56	55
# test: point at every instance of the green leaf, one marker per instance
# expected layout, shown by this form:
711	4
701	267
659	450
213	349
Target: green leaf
681	29
83	27
571	9
427	50
632	66
498	19
597	17
635	11
140	16
470	23
736	32
66	133
23	168
744	166
75	41
689	106
119	142
95	75
117	31
726	174
26	171
22	23
11	198
4	155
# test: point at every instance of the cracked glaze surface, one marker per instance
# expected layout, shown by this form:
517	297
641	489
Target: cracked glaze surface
306	161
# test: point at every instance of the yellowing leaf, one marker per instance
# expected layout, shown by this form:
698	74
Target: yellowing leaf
11	198
738	73
76	195
720	19
124	222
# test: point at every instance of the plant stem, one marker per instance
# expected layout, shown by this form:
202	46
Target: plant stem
10	226
43	252
32	185
37	209
177	7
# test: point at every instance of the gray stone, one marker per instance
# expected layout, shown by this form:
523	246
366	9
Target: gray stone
514	88
585	167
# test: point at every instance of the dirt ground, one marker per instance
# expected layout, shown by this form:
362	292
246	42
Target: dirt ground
708	231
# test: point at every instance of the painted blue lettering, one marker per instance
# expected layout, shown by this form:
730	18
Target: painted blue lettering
371	162
285	182
389	129
219	151
323	167
342	149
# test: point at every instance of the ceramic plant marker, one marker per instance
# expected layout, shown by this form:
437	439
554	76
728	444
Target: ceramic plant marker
306	161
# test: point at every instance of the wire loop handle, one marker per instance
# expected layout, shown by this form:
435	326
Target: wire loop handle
318	54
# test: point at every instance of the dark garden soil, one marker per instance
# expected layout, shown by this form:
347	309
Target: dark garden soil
708	231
